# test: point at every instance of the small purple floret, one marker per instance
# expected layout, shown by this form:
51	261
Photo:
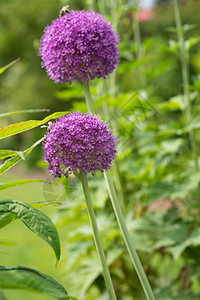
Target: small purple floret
81	45
79	142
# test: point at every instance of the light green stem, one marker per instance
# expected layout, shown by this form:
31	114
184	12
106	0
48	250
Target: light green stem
97	238
185	76
88	97
120	219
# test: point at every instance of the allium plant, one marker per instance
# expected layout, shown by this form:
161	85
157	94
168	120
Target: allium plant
80	45
79	143
82	143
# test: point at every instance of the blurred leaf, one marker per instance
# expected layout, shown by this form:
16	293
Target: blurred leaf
10	153
2	296
22	112
192	240
2	69
191	42
9	163
4	186
35	220
18	277
41	204
27	125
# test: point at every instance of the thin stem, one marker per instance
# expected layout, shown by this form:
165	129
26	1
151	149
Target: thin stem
97	238
136	31
115	163
121	222
138	41
127	238
88	97
185	76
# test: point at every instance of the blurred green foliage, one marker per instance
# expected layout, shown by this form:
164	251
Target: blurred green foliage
158	171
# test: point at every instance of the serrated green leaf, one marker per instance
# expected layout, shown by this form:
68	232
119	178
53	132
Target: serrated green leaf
18	277
4	186
10	153
2	69
22	112
35	220
27	125
9	163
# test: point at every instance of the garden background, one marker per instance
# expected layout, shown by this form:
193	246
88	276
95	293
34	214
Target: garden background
157	170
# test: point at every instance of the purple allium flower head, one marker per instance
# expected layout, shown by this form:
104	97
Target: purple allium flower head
79	142
80	45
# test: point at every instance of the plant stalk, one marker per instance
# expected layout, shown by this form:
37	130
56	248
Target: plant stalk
97	238
185	76
120	219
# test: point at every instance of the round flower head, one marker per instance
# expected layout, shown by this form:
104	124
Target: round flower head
79	142
80	45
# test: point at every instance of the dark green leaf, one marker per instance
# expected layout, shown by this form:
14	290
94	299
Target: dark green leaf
17	277
35	220
2	296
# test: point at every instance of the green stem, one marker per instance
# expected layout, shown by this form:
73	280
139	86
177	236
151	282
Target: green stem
88	97
97	238
120	219
127	238
115	163
185	76
136	31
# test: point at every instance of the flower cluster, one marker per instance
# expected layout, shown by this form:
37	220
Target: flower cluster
79	142
80	45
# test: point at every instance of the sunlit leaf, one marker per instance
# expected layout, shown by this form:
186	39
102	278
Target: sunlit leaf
26	125
18	277
2	69
35	220
44	203
9	163
10	153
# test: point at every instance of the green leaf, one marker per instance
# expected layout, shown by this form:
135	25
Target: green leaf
4	186
7	218
10	153
35	220
41	204
18	277
9	65
9	163
27	125
2	296
22	112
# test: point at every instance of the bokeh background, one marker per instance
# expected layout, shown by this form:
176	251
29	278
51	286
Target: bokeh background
157	171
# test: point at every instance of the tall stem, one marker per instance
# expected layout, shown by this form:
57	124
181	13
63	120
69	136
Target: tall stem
127	238
185	76
120	219
88	98
97	238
